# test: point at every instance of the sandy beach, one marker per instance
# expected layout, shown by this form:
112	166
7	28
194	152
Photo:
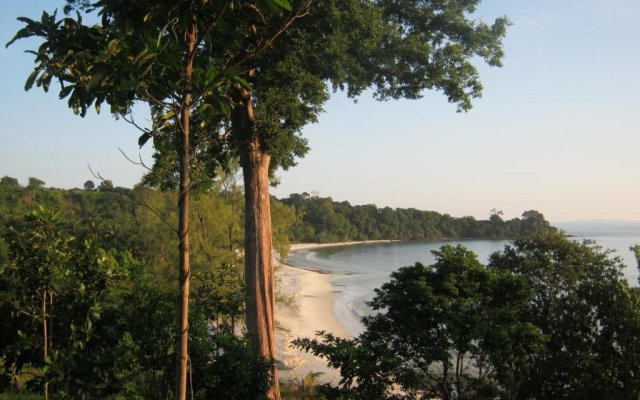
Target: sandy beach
309	308
309	246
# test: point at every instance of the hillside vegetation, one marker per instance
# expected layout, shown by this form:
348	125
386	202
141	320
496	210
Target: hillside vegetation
88	291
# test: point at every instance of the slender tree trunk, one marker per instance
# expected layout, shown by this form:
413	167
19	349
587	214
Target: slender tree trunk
50	334
259	274
446	390
182	354
45	342
459	365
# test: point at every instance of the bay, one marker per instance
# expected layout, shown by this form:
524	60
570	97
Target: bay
361	268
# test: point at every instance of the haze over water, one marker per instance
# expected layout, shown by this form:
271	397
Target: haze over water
361	269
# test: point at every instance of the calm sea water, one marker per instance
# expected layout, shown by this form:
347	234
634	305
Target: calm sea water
360	269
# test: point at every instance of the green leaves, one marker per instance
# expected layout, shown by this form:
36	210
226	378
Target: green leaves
282	3
547	318
579	299
144	138
31	79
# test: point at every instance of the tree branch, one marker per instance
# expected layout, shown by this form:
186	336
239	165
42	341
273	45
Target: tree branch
97	176
132	122
140	163
301	12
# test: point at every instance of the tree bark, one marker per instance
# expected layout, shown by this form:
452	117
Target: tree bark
259	274
258	253
45	343
182	354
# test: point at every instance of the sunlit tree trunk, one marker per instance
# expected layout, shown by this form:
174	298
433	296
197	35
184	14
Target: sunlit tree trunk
182	354
259	273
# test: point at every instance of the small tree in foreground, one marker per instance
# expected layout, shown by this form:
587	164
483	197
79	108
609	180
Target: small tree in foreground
54	290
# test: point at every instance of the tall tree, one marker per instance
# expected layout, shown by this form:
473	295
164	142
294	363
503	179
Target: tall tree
156	52
398	48
284	64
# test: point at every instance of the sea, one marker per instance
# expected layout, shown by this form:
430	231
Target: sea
361	268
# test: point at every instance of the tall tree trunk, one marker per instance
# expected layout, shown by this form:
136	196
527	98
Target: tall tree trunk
258	252
182	354
45	342
259	274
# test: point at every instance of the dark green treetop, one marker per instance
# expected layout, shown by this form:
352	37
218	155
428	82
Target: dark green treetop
547	318
398	50
135	54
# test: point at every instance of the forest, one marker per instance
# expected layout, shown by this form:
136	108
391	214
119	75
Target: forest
166	290
88	292
88	307
323	220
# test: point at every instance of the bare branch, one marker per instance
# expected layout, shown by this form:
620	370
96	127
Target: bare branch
148	97
97	176
255	9
132	122
204	236
140	163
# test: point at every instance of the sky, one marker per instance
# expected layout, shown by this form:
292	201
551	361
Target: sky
556	130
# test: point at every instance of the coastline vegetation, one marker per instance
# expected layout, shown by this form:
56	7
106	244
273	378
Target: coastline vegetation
546	318
88	306
87	289
323	220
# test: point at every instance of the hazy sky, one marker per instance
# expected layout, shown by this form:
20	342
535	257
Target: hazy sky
556	130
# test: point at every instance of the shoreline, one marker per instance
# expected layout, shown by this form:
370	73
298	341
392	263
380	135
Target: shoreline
310	305
309	309
312	246
312	302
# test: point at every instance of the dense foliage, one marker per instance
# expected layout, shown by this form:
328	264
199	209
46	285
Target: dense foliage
547	318
87	299
142	220
252	69
324	220
89	274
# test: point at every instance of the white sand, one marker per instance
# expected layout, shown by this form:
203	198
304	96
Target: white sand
309	246
312	311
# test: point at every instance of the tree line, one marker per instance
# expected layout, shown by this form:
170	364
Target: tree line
142	220
88	288
324	220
